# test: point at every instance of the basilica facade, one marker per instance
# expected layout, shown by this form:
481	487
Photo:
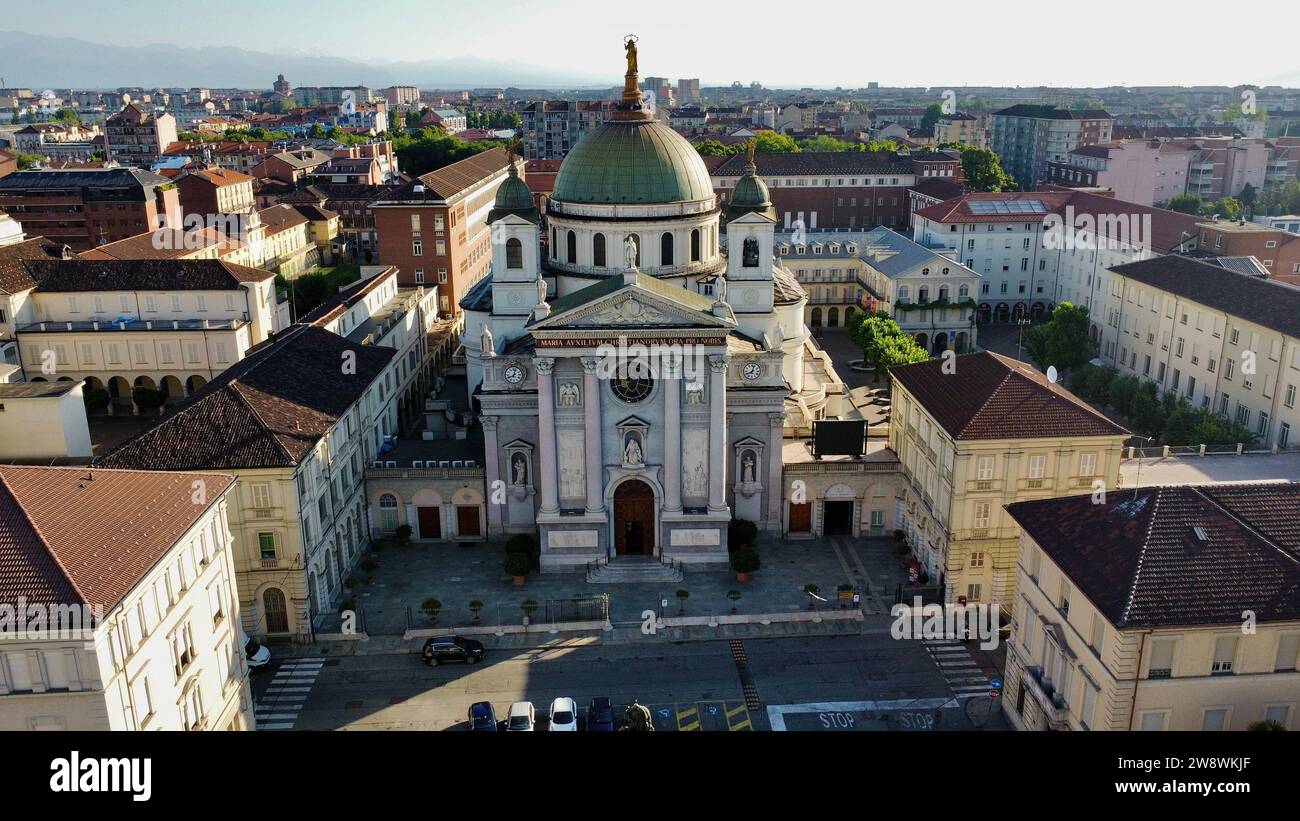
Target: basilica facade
632	379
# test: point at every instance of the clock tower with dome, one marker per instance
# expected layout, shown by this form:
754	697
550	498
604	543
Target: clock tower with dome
633	378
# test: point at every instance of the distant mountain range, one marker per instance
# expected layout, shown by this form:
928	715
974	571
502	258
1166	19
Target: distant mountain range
39	62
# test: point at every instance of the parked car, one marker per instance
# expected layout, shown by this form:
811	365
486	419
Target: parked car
257	655
482	718
522	717
451	648
600	716
564	715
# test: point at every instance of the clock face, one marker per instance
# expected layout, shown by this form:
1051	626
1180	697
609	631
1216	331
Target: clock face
753	371
514	374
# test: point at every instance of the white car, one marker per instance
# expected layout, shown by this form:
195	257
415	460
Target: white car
258	655
564	716
522	717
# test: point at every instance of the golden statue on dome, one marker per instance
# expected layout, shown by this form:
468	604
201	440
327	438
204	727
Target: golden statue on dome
629	44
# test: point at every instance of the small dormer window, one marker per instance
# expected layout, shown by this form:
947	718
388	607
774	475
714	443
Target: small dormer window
853	249
785	249
801	249
817	249
835	248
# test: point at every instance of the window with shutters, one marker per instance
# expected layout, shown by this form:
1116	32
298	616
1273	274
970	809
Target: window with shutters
1225	655
1288	648
1162	658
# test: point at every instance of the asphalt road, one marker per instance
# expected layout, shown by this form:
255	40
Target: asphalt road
699	685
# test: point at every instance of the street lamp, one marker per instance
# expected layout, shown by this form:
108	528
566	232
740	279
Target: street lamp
1020	339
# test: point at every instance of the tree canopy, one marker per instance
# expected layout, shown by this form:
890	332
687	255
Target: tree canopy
1062	340
883	343
982	168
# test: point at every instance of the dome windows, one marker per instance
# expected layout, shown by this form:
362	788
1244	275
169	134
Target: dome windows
598	250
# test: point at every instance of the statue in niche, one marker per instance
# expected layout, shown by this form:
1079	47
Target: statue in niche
569	395
747	467
519	467
487	343
632	454
630	251
695	393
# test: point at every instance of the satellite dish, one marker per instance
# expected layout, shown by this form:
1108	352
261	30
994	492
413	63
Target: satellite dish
1052	375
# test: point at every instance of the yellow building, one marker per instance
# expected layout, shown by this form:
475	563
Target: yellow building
974	433
1165	608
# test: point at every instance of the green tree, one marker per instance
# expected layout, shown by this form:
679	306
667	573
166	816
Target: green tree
27	160
1248	196
713	148
1062	340
1227	207
68	116
883	343
1184	204
982	168
317	132
770	142
879	147
932	114
824	142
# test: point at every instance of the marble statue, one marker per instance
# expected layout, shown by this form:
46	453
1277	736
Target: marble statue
695	393
487	342
720	289
632	453
569	395
747	467
541	289
521	469
629	251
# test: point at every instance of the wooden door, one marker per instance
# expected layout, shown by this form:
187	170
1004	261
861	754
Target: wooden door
467	520
430	523
800	517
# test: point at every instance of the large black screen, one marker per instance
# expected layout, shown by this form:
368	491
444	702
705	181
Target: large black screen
839	438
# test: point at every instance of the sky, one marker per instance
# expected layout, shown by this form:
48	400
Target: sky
827	43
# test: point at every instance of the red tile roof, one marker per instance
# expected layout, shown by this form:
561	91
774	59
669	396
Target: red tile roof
78	536
990	396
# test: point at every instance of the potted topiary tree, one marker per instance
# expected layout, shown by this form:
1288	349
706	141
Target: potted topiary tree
368	565
682	596
744	562
474	607
402	534
529	607
734	595
431	607
518	565
524	545
741	534
812	590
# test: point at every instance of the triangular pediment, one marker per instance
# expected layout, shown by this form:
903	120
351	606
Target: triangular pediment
646	303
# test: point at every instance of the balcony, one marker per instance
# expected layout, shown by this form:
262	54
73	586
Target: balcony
134	325
1055	711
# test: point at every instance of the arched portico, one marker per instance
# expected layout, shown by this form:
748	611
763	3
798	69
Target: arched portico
634	503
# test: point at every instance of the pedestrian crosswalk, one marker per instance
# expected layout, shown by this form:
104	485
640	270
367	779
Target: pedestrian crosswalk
963	675
286	694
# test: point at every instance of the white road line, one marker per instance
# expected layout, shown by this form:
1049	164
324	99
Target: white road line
276	726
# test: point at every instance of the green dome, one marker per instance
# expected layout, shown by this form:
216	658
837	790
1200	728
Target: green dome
750	195
630	162
513	197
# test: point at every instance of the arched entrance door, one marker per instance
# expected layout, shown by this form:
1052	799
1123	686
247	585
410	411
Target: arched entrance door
634	518
277	614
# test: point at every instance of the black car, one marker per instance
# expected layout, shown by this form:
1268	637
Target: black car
600	718
451	648
482	718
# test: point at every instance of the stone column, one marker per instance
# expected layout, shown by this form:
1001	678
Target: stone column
591	447
491	473
547	477
672	434
775	479
717	434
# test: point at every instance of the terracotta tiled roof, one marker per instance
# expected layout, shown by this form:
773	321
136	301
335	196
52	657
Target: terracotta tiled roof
142	275
164	243
1137	557
220	176
990	396
78	536
268	410
281	217
14	276
450	180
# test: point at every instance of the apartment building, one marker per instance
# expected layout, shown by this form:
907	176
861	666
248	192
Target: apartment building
1027	137
1034	250
138	138
305	432
960	127
1221	340
142	633
688	91
170	324
1152	171
88	207
15	288
232	156
836	189
1129	612
553	127
1277	250
989	432
928	294
434	229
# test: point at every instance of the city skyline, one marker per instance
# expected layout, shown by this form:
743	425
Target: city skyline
685	41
